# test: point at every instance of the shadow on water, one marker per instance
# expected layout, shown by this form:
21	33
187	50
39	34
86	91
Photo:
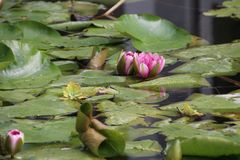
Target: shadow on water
188	15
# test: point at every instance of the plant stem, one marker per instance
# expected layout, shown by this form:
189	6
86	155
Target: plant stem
112	9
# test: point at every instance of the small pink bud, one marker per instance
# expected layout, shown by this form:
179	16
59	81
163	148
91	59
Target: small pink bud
125	62
14	141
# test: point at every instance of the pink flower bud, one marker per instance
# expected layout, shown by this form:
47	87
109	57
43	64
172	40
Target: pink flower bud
148	64
14	141
124	66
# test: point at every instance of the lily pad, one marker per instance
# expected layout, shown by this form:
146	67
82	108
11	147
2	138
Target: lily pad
31	68
152	33
90	78
126	112
231	10
141	96
208	66
208	104
55	152
6	56
71	54
143	148
221	50
44	131
173	82
9	32
36	31
15	96
41	106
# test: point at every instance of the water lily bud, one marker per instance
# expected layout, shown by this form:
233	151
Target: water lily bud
148	65
14	141
124	66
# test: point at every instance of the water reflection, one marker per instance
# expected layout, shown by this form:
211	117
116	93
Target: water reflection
188	14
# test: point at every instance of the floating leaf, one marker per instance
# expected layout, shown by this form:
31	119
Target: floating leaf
208	66
36	31
126	112
43	131
208	104
71	54
103	32
32	69
55	152
6	56
152	33
173	82
9	32
216	146
67	66
231	10
221	50
143	148
15	96
141	96
41	106
90	78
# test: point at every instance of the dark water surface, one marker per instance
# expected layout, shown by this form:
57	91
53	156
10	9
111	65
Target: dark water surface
188	15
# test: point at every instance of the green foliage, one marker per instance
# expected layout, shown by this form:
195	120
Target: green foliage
151	33
231	10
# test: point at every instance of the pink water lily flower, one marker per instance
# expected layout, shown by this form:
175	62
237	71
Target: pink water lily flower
14	141
125	63
148	65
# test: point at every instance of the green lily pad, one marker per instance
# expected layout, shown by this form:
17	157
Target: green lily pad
173	82
126	112
44	131
103	32
231	10
222	50
41	106
141	96
15	96
208	104
90	78
9	32
197	146
143	148
31	68
66	66
208	66
55	152
152	33
6	56
36	31
78	53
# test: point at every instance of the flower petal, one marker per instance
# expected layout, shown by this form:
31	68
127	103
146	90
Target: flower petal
143	70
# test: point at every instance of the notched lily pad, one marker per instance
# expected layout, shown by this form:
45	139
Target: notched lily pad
166	36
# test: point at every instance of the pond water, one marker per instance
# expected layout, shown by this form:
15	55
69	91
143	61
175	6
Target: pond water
38	105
